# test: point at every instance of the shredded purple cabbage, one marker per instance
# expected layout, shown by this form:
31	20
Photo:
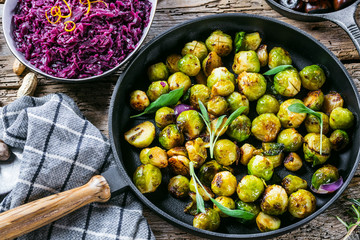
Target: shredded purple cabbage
101	41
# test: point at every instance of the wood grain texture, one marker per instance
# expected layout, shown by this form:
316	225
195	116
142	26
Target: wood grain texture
31	216
93	98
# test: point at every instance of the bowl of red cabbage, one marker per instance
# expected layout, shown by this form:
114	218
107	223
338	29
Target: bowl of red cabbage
76	40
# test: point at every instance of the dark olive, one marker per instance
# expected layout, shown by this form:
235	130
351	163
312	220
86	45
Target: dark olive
339	4
321	6
290	3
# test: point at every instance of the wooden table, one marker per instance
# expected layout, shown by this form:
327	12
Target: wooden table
94	98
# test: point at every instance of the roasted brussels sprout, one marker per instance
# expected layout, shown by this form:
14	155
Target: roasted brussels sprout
172	62
201	78
157	157
266	127
246	61
142	135
217	106
274	201
288	118
211	62
239	129
209	169
219	42
222	127
339	139
312	77
291	139
341	118
261	167
250	188
190	65
199	92
179	80
279	56
312	123
263	55
139	100
237	100
197	151
314	100
170	137
226	202
252	85
179	186
246	152
158	72
224	184
196	48
179	165
267	104
311	148
267	222
226	152
302	203
292	183
147	178
201	190
190	123
191	208
222	88
332	100
324	175
251	41
207	221
144	158
273	152
287	83
293	162
156	89
164	116
177	151
219	74
248	207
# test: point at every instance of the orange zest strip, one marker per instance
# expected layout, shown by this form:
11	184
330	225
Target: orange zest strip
69	15
101	2
50	20
68	23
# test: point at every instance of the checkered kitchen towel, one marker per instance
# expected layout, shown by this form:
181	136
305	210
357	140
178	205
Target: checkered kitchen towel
61	150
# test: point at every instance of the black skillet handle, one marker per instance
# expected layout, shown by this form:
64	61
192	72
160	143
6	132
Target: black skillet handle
346	19
117	182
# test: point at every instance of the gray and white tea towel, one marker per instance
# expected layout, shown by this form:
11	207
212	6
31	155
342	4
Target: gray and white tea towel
57	150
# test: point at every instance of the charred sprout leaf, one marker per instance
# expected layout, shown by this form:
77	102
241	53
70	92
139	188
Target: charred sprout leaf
277	69
350	227
301	108
232	213
239	39
164	100
199	200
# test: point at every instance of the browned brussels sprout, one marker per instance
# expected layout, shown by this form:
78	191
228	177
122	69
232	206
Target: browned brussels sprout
219	74
248	207
147	178
339	139
212	61
142	135
324	175
179	80
250	188
252	85
156	89
217	106
266	127
314	100
144	157
226	152
158	72
207	221
251	41
341	118
291	139
190	123
239	129
171	137
179	165
292	183
226	202
164	116
139	100
332	100
312	77
267	222
288	118
302	203
172	62
197	151
209	169
157	157
246	61
287	83
279	56
274	201
219	42
224	184
267	104
263	55
311	148
247	151
201	190
261	167
179	186
237	100
199	92
190	65
196	48
312	123
293	162
177	151
273	152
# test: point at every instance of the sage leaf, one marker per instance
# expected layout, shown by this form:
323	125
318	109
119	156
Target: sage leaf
234	115
277	69
204	112
200	205
239	39
164	100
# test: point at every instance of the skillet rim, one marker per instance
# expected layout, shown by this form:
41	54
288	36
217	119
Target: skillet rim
183	225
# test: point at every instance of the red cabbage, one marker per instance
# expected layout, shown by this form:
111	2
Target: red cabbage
101	41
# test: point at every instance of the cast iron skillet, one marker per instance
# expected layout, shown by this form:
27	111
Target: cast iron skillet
345	18
304	50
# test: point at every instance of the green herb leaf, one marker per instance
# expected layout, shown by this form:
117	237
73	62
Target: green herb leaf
200	205
239	39
204	112
164	100
219	122
276	70
301	108
234	115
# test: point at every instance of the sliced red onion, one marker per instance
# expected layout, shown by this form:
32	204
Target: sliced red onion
163	84
182	108
328	188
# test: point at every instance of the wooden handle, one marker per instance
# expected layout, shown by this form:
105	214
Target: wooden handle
33	215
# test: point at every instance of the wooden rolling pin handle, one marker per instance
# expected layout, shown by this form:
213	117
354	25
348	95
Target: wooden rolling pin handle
33	215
